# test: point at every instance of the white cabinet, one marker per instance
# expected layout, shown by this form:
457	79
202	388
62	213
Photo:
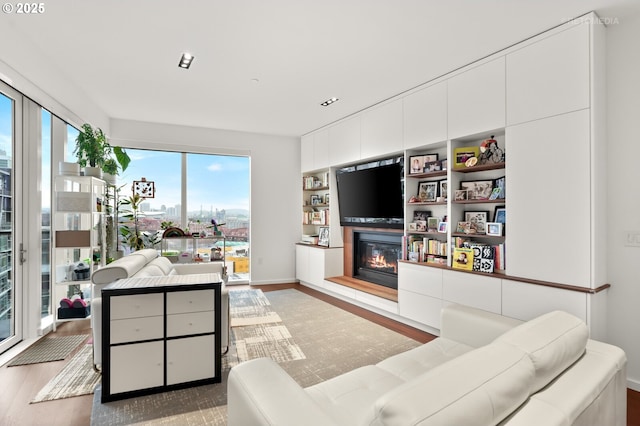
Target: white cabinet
478	291
549	77
477	99
425	116
314	151
549	171
160	333
306	152
344	141
525	301
381	130
314	264
420	293
78	240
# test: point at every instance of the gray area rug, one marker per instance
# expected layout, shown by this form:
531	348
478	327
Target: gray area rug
250	307
48	349
77	378
331	340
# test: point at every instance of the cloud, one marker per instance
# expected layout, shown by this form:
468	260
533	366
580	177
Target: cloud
215	167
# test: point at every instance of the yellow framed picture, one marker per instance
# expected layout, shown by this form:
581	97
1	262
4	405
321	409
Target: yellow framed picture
462	154
462	258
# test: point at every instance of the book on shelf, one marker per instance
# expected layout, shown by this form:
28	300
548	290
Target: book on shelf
462	258
313	182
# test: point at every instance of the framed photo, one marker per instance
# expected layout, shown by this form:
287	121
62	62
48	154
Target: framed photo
421	225
432	224
461	195
421	215
326	198
443	189
478	189
442	227
413	226
428	191
494	228
416	164
462	154
463	227
443	164
316	199
500	186
432	166
323	236
478	221
500	215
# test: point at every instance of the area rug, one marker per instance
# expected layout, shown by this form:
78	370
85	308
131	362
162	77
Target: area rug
332	340
48	349
249	307
77	378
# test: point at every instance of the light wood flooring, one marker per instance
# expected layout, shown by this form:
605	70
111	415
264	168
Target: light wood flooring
18	385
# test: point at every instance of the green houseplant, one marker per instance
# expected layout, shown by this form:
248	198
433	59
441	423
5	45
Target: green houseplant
130	232
93	150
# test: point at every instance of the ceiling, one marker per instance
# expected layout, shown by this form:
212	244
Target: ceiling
266	65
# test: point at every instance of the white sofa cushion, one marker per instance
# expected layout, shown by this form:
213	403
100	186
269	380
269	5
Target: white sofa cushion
407	365
480	387
553	341
124	267
472	326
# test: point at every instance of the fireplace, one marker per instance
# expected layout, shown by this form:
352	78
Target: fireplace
375	257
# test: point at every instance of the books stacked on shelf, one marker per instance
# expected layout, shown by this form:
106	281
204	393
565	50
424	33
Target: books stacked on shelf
475	256
422	249
309	239
315	217
313	182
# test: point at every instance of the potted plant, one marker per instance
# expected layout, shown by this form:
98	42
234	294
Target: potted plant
130	232
92	150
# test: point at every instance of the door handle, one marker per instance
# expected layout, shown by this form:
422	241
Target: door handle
23	252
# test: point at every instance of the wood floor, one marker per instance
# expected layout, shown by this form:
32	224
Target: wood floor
18	385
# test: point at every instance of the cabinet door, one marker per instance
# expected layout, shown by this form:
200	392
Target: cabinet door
549	77
191	359
381	130
344	142
476	99
302	263
137	366
548	227
137	305
190	323
190	301
525	301
321	150
316	266
420	279
420	308
306	153
425	116
472	290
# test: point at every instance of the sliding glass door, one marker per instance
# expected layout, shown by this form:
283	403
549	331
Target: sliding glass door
10	249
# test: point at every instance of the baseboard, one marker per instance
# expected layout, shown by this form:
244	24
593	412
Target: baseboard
633	384
279	281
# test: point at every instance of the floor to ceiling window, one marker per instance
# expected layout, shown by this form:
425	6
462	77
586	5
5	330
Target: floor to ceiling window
191	190
45	184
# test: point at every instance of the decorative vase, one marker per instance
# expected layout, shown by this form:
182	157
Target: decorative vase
69	169
93	171
109	178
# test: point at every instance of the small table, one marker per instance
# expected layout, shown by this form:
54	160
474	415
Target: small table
160	333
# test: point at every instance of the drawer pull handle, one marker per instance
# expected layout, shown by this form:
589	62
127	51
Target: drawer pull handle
190	323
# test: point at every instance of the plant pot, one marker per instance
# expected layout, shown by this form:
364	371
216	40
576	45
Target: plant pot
93	171
109	178
69	169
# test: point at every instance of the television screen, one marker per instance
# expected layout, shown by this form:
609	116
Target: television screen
371	196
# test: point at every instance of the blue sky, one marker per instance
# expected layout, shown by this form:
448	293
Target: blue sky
213	181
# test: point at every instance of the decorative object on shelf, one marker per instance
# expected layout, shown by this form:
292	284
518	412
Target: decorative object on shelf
494	228
461	195
490	152
323	236
214	224
478	220
465	227
316	200
144	188
417	163
428	191
94	153
483	257
420	225
172	231
500	215
443	189
130	231
68	169
414	199
442	227
432	224
500	185
432	166
421	215
462	154
478	190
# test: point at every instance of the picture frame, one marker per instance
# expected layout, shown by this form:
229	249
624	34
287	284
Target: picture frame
432	224
461	195
323	236
416	164
421	215
432	166
326	198
462	154
315	200
500	184
427	191
500	215
494	229
478	189
413	226
444	164
463	227
478	220
442	227
421	225
442	188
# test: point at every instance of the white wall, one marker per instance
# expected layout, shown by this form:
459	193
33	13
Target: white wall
276	205
623	102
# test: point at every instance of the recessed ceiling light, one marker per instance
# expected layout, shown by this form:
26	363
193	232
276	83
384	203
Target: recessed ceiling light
185	60
329	101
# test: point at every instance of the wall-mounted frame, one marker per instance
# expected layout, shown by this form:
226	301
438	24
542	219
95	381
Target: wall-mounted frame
323	236
428	191
478	189
500	215
494	228
462	154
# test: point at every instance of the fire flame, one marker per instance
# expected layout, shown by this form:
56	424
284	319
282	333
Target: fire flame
378	261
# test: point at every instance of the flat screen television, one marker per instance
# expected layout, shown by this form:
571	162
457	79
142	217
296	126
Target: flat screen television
372	195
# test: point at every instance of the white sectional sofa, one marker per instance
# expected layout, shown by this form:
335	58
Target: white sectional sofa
147	263
484	369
